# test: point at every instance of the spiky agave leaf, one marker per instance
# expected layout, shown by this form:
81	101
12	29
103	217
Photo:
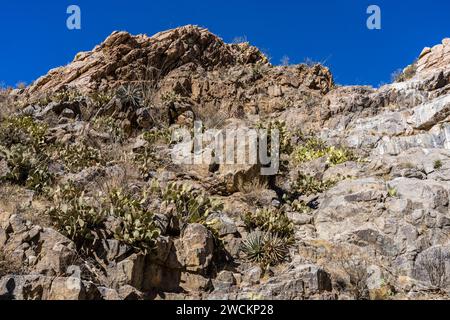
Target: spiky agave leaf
130	94
275	249
253	246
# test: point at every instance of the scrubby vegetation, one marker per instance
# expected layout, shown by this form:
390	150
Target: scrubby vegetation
76	215
402	75
191	205
314	148
136	225
309	185
270	220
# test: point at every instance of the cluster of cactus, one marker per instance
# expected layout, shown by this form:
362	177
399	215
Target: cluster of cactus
191	205
309	185
79	156
136	226
22	142
314	148
80	217
270	220
271	234
111	126
22	130
74	214
158	136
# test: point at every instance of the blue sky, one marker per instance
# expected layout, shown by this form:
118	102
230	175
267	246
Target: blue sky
35	38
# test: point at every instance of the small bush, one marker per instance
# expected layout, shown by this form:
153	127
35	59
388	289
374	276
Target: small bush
308	185
163	136
284	135
191	205
437	164
270	220
79	156
403	75
392	192
74	215
137	226
314	148
66	95
27	168
22	130
111	126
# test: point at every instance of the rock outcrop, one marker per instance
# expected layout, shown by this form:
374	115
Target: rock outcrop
92	207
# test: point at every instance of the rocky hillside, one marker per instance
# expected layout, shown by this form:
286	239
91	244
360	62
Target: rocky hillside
92	207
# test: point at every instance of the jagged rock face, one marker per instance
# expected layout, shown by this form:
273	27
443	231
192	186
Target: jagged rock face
231	79
122	57
381	229
434	58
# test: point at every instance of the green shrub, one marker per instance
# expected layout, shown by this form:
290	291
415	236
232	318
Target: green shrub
270	220
27	168
264	248
111	126
408	73
74	215
137	226
284	135
66	95
437	164
392	192
191	206
22	130
314	148
158	136
170	97
79	156
308	185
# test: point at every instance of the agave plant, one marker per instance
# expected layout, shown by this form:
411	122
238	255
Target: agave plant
130	95
253	246
265	248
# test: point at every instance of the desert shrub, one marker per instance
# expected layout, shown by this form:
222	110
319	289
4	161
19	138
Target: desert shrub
27	168
392	192
159	136
403	75
284	135
170	97
111	126
65	95
297	205
270	220
79	156
437	164
309	185
147	161
191	205
74	214
137	226
314	148
23	130
254	185
264	248
100	99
